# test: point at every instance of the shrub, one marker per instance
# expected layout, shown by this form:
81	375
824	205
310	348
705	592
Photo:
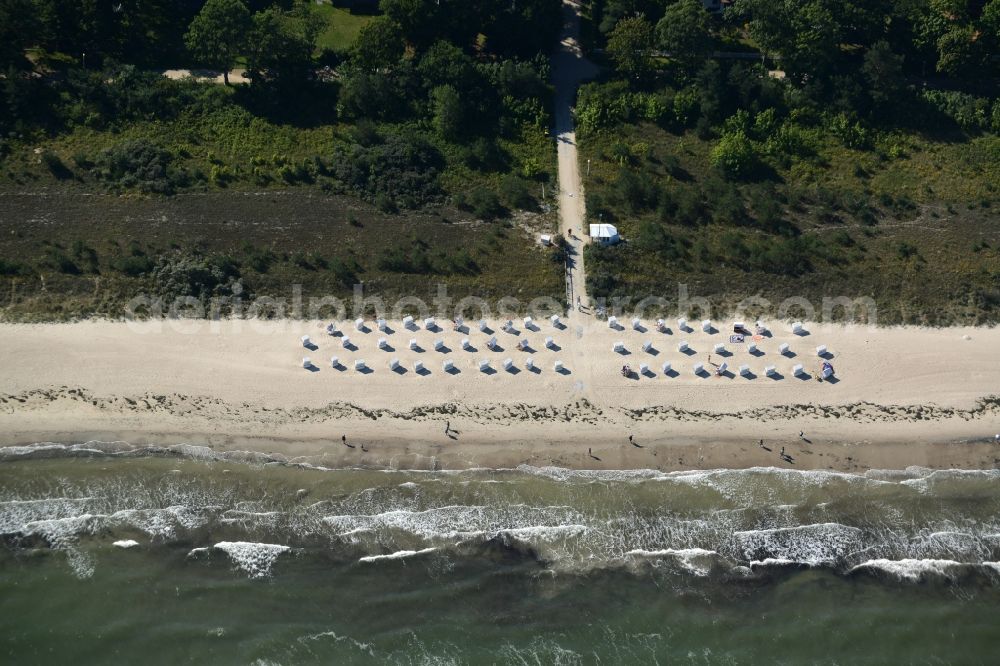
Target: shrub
137	164
735	155
484	203
515	194
401	166
133	266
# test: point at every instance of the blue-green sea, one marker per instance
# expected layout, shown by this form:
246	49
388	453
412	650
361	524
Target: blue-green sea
174	555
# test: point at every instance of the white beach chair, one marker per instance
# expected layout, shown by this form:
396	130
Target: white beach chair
306	362
334	362
438	345
796	369
555	320
618	347
612	322
558	366
382	343
643	369
345	342
306	341
821	350
429	323
331	328
484	365
697	368
408	322
783	348
682	346
528	322
381	324
636	323
359	324
706	325
483	325
666	367
796	327
492	342
744	370
719	348
661	325
448	365
418	367
508	363
647	345
682	324
465	343
549	342
770	370
529	363
752	347
413	343
394	364
360	364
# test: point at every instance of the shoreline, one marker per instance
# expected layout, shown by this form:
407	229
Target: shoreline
905	396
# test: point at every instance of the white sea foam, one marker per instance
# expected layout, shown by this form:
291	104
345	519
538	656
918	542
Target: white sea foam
256	559
824	543
126	543
398	555
913	570
698	561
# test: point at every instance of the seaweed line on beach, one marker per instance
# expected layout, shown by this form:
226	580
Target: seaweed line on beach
578	411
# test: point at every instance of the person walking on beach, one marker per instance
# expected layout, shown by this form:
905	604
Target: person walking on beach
630	440
447	427
761	444
802	434
782	452
343	438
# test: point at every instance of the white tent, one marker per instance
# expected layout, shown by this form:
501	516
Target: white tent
605	234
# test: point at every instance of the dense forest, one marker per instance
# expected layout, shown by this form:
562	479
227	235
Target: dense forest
398	108
815	147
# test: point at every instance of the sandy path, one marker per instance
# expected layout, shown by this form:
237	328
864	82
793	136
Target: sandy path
569	68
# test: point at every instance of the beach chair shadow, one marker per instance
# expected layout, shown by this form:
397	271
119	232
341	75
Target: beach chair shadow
463	329
364	329
496	348
777	376
641	329
489	371
702	373
789	354
514	370
728	374
418	349
560	326
532	327
553	347
804	376
312	346
451	371
365	370
689	352
471	349
444	349
312	367
388	348
671	373
488	331
388	330
725	353
749	376
350	346
400	370
667	331
649	373
756	352
653	351
433	328
826	355
712	330
803	333
423	372
535	370
624	352
564	371
832	380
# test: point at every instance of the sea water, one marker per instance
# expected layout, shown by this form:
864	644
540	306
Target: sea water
165	556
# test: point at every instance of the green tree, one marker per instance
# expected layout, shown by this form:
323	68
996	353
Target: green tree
18	27
685	31
629	45
379	45
449	114
958	51
282	44
217	35
735	155
884	71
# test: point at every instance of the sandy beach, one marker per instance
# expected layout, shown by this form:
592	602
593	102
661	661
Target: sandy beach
902	396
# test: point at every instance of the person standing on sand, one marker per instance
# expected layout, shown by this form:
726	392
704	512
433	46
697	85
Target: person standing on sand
802	434
447	427
630	440
343	438
782	452
761	444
